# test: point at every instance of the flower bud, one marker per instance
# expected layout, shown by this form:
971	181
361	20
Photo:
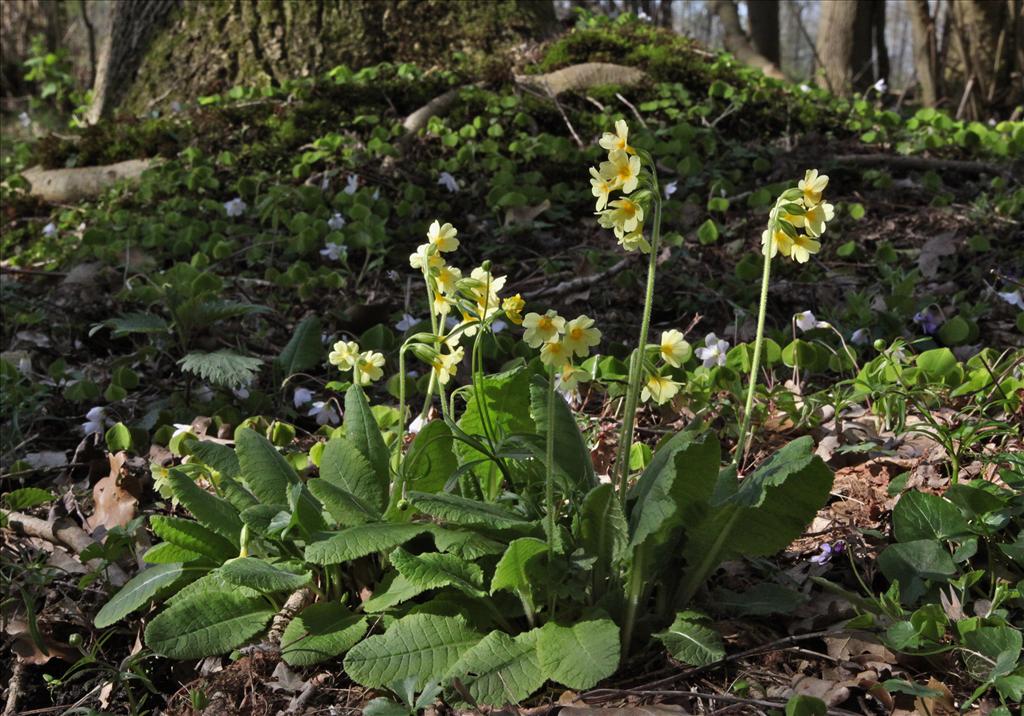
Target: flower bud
879	344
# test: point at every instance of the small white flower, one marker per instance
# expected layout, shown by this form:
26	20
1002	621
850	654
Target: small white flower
671	188
325	183
175	106
241	392
392	275
352	184
805	88
96	421
1013	298
714	350
416	425
498	326
324	413
336	222
302	396
180	428
414	374
25	365
204	394
880	87
50	229
406	323
448	182
898	355
861	337
643	16
334	252
235	207
24	120
376	194
806	321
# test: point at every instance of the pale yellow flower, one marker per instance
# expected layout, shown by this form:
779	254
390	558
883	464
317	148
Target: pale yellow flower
368	368
634	241
803	247
601	187
442	236
817	216
425	256
660	389
570	376
445	366
447	277
674	349
624	217
513	307
775	242
580	336
442	304
344	354
554	354
622	169
619	140
540	329
812	185
483	287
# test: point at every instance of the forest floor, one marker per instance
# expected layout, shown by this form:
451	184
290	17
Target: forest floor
265	212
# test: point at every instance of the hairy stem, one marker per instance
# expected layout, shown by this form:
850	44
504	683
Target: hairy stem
549	489
755	362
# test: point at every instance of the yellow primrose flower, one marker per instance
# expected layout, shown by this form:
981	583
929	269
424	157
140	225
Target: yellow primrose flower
635	241
540	329
368	368
344	355
780	242
601	188
481	281
803	247
447	277
580	336
812	185
660	388
425	257
513	307
443	236
445	366
674	349
622	169
625	217
466	327
554	354
570	376
442	304
818	216
619	140
795	220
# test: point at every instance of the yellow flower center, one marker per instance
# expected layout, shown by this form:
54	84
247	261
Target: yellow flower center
576	333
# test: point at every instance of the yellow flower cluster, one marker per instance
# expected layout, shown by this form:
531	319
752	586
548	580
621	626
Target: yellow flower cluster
366	366
799	208
673	350
561	341
620	173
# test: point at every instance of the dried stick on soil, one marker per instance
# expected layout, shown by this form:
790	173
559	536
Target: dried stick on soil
725	698
65	532
577	284
296	603
14	687
923	163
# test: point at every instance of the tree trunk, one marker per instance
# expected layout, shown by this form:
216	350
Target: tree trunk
986	59
206	47
737	42
925	52
763	16
847	32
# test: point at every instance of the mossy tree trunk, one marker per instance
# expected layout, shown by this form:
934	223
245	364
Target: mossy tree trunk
207	47
763	16
986	56
851	44
739	44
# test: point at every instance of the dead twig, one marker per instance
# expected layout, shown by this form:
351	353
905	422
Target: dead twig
576	284
298	601
66	532
725	698
14	687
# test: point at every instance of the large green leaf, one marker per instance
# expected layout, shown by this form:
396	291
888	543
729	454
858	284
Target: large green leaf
209	583
500	669
459	510
430	461
344	466
433	570
572	455
138	592
215	456
685	466
193	537
422	647
923	558
580	655
261	576
692	641
166	553
213	512
347	509
362	430
319	632
515	570
304	350
264	470
603	530
465	543
392	591
359	541
919	515
207	624
507	399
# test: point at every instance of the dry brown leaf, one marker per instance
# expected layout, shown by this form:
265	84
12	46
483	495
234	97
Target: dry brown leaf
521	215
115	497
932	252
24	647
936	705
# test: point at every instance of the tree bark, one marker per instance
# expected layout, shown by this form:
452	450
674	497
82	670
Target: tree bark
925	52
737	42
847	32
986	58
763	16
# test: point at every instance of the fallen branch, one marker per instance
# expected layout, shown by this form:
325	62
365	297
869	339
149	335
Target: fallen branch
14	687
67	186
724	698
923	163
576	284
298	601
582	77
65	532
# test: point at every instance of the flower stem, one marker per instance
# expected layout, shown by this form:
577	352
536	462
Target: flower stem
549	490
636	362
755	362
